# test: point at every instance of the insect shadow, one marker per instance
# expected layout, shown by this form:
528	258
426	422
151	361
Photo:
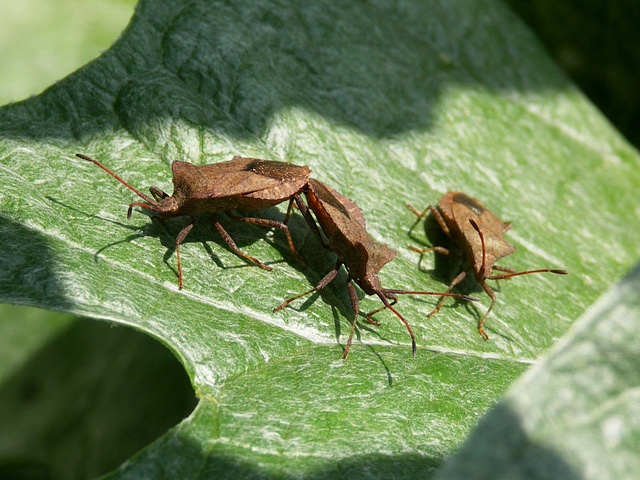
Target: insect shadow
334	294
319	260
90	215
203	233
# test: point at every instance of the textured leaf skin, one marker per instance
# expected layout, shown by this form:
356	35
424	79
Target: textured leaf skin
573	415
387	103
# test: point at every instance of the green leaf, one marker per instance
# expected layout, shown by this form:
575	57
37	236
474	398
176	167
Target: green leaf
42	41
389	104
574	415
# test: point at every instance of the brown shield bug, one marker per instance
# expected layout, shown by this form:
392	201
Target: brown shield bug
478	233
240	183
344	226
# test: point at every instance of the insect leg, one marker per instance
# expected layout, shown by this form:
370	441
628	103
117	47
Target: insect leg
321	284
271	224
304	210
436	214
454	282
356	308
289	208
440	250
232	245
416	212
390	296
489	291
443	225
179	239
418	215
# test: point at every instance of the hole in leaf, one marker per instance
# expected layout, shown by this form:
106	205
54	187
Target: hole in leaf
85	398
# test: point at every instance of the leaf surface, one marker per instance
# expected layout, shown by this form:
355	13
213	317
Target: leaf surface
574	414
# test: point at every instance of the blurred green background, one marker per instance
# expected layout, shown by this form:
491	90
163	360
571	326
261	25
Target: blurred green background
43	41
597	42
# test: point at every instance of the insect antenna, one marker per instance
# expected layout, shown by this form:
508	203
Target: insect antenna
484	251
440	294
145	197
383	296
510	274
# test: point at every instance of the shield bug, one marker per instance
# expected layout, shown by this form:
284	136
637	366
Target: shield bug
478	234
344	227
240	183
